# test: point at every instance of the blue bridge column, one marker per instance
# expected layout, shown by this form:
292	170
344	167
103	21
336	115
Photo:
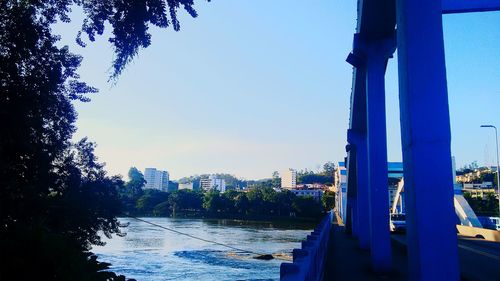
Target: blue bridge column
425	133
354	216
363	199
377	54
358	141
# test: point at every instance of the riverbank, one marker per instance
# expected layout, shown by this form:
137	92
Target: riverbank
236	217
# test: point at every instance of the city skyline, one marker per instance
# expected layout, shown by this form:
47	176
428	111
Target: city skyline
264	94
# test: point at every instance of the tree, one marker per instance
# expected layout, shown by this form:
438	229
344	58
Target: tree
212	201
162	209
483	206
54	195
132	190
241	203
284	201
328	168
328	200
135	184
150	199
306	207
256	200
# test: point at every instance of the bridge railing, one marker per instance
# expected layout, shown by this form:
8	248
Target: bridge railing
309	261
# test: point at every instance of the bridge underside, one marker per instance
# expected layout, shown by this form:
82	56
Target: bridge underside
425	133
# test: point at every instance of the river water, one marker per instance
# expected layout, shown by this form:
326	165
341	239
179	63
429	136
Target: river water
151	253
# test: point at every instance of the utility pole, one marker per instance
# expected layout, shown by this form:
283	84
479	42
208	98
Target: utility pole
498	172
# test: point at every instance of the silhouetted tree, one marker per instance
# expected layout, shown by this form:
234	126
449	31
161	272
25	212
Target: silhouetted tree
212	201
328	200
241	203
150	199
136	182
54	196
328	169
306	207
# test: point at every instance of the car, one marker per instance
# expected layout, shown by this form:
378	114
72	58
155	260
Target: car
397	223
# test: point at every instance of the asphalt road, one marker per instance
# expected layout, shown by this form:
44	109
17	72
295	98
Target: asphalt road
479	259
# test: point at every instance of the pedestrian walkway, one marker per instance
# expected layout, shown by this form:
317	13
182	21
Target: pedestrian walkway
346	261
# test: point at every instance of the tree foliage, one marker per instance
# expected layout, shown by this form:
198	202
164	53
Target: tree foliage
257	202
323	177
487	206
55	197
328	200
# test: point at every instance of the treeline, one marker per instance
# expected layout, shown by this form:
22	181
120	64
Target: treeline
325	176
258	202
305	176
487	206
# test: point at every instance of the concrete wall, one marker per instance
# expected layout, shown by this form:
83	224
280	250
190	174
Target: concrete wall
309	260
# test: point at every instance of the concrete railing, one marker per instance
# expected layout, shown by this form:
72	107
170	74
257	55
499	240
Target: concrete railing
309	261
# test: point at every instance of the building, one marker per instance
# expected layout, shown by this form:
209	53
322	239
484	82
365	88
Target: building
316	194
319	186
340	189
156	179
212	182
289	179
483	185
479	192
188	185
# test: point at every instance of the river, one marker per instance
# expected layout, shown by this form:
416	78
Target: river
151	253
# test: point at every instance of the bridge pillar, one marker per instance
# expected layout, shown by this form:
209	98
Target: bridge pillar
363	193
354	216
359	142
425	133
351	214
377	54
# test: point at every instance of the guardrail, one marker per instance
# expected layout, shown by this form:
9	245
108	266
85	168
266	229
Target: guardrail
309	261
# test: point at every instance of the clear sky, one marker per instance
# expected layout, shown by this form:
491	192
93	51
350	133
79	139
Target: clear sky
254	86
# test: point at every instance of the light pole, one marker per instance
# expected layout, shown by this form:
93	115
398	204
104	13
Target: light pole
498	172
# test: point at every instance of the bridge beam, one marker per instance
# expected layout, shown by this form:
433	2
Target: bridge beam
425	133
468	6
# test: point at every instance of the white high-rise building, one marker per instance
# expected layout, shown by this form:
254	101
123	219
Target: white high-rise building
212	182
289	179
156	179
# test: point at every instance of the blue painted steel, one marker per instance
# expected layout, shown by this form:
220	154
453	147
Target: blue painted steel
425	133
377	155
358	141
354	215
309	261
467	6
363	199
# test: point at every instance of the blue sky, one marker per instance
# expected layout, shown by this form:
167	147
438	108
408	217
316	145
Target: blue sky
254	86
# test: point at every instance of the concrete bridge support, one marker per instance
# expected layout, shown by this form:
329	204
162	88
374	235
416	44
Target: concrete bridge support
425	132
363	198
370	58
359	151
377	53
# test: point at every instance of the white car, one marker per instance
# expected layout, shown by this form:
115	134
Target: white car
397	223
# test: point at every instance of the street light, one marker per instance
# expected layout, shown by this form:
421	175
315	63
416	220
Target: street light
498	172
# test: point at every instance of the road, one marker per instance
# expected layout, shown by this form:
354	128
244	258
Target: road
479	259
